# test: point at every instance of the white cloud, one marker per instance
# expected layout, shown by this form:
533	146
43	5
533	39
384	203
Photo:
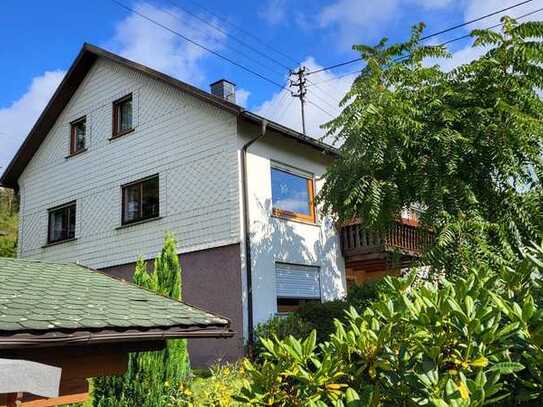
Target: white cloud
285	109
355	19
241	97
478	8
274	11
151	45
17	119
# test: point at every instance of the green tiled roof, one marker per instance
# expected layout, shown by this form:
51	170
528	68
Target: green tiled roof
38	297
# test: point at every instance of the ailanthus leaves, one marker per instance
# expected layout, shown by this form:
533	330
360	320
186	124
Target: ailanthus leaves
465	145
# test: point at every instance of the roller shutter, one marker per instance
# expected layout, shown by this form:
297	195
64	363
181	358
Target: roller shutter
297	281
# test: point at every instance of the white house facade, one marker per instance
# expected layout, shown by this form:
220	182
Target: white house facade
123	154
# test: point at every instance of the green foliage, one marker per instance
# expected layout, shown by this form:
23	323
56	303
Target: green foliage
318	316
152	377
463	145
470	341
9	222
361	296
214	389
281	327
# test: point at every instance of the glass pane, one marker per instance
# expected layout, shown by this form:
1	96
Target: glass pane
131	203
125	113
70	233
62	224
290	192
150	198
79	136
56	225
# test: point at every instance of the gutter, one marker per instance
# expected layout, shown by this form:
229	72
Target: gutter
246	221
25	341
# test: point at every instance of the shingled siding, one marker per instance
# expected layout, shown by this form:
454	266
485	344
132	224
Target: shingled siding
190	144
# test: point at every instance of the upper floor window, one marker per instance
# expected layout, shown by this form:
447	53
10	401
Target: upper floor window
141	200
122	116
61	223
292	195
78	134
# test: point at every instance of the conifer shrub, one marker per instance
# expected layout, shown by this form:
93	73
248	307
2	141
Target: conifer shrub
151	376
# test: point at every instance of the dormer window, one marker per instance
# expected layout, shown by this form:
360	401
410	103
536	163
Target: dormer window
122	116
78	134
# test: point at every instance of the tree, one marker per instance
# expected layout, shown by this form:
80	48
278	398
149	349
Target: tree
8	223
151	376
464	145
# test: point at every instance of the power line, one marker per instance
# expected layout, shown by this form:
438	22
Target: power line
240	53
438	45
217	54
428	36
475	20
321	109
226	33
244	31
301	95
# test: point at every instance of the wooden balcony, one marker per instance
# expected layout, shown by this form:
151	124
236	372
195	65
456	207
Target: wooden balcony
369	251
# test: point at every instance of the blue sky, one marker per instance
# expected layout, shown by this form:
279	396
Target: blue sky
41	41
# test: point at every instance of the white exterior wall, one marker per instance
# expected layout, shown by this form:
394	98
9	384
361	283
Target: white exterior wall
189	143
279	240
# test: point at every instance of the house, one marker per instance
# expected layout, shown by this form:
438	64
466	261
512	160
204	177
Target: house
123	153
84	322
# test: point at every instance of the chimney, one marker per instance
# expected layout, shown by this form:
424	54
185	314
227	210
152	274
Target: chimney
224	89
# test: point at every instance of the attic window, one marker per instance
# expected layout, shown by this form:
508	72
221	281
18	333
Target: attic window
78	133
122	116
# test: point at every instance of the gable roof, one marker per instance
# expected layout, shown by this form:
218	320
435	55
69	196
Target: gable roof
73	78
51	304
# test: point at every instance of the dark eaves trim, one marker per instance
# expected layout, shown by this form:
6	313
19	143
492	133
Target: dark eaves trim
53	339
325	148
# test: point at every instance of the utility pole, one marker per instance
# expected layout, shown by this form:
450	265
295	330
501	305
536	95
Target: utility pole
300	83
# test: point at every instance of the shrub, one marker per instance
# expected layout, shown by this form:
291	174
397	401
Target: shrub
151	376
321	316
214	387
361	296
467	342
280	327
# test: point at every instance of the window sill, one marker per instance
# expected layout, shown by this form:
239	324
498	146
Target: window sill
119	135
76	154
139	222
73	239
289	219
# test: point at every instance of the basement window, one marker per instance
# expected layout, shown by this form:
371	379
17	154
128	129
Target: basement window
78	134
293	195
122	116
296	285
61	223
141	200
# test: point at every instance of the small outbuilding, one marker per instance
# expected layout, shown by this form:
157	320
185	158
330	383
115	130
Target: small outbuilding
84	322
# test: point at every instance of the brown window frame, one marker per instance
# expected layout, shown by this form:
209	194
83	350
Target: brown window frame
302	217
73	144
68	207
116	116
141	218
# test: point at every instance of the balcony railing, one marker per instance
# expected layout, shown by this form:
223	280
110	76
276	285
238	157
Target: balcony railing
407	239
